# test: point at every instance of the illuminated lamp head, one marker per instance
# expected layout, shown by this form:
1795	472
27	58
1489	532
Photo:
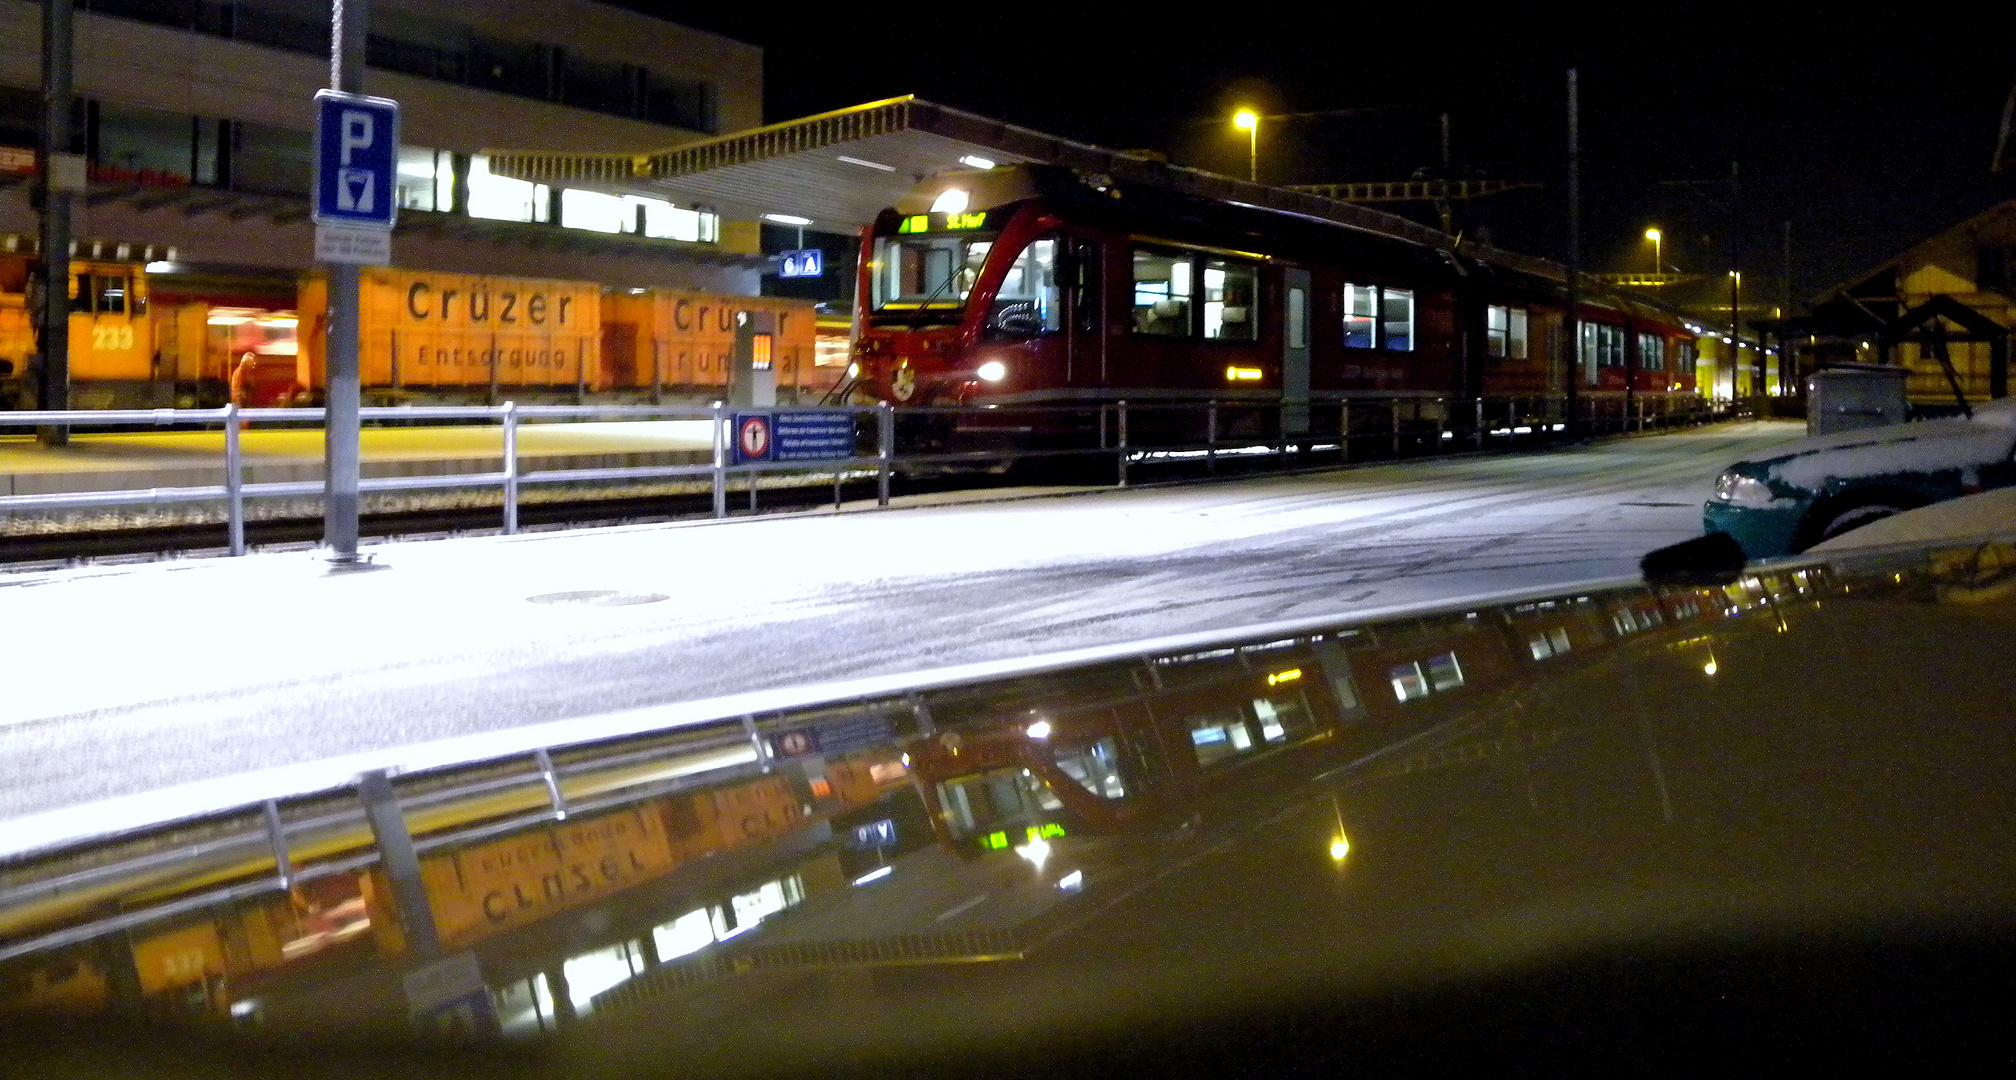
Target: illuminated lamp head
992	371
950	201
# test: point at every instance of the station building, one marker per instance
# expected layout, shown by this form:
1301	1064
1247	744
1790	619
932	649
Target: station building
1951	294
196	117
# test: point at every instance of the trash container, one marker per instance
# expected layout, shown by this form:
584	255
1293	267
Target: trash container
1849	396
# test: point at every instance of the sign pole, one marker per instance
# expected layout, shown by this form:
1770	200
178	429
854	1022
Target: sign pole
61	177
348	22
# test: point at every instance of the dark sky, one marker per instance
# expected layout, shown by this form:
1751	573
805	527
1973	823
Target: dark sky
1864	134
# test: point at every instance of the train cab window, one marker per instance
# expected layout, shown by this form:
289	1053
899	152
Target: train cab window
927	271
990	800
1028	301
81	289
1505	332
1651	352
1162	292
110	293
1230	295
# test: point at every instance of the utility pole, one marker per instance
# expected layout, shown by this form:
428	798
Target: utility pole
341	426
62	176
1571	325
1736	282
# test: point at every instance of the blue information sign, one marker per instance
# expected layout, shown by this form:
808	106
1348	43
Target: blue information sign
356	160
792	435
805	263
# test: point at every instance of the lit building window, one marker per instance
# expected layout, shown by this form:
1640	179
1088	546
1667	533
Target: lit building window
502	198
594	211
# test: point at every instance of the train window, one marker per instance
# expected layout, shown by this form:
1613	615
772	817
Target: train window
1505	332
1230	292
1602	346
80	292
1550	643
1096	767
1409	682
1418	680
927	271
1281	717
1219	735
1651	352
1298	318
1361	316
1161	293
1083	275
1027	300
111	293
1396	319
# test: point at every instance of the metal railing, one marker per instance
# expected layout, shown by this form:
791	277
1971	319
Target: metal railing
1327	428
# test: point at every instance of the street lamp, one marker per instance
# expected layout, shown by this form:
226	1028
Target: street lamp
1658	263
1248	121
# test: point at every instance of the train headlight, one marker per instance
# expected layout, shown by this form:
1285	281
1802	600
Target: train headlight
1739	490
993	371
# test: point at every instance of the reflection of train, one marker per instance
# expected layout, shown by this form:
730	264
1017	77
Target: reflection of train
1152	739
1026	285
426	337
209	962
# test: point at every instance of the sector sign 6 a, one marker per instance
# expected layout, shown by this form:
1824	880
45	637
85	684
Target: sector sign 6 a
751	435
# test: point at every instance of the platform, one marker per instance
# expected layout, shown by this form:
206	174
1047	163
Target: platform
192	674
167	459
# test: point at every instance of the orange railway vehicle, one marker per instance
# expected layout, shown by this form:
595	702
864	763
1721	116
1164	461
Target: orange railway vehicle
112	350
426	336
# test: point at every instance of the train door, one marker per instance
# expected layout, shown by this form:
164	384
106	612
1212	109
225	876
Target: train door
1295	351
1084	344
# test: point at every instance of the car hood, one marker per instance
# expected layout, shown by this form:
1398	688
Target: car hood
1813	464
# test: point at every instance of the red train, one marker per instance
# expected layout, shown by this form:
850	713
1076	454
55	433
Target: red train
1037	285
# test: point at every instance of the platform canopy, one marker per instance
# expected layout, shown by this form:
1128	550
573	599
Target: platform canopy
839	169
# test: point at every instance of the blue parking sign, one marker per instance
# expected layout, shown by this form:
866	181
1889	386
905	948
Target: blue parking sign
356	160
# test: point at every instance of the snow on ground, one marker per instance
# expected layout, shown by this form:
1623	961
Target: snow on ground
134	678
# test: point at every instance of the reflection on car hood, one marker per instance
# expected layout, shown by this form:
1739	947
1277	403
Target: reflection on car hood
1282	833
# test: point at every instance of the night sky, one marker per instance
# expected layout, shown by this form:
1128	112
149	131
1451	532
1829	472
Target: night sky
1864	138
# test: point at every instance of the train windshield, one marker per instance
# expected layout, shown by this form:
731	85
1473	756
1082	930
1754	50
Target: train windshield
932	274
982	802
932	277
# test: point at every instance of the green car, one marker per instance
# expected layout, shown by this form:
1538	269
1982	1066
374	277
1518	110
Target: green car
1821	487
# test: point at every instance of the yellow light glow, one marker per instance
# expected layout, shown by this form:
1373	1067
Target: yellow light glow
1708	668
950	201
1653	235
1280	677
1340	847
1246	120
1242	374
